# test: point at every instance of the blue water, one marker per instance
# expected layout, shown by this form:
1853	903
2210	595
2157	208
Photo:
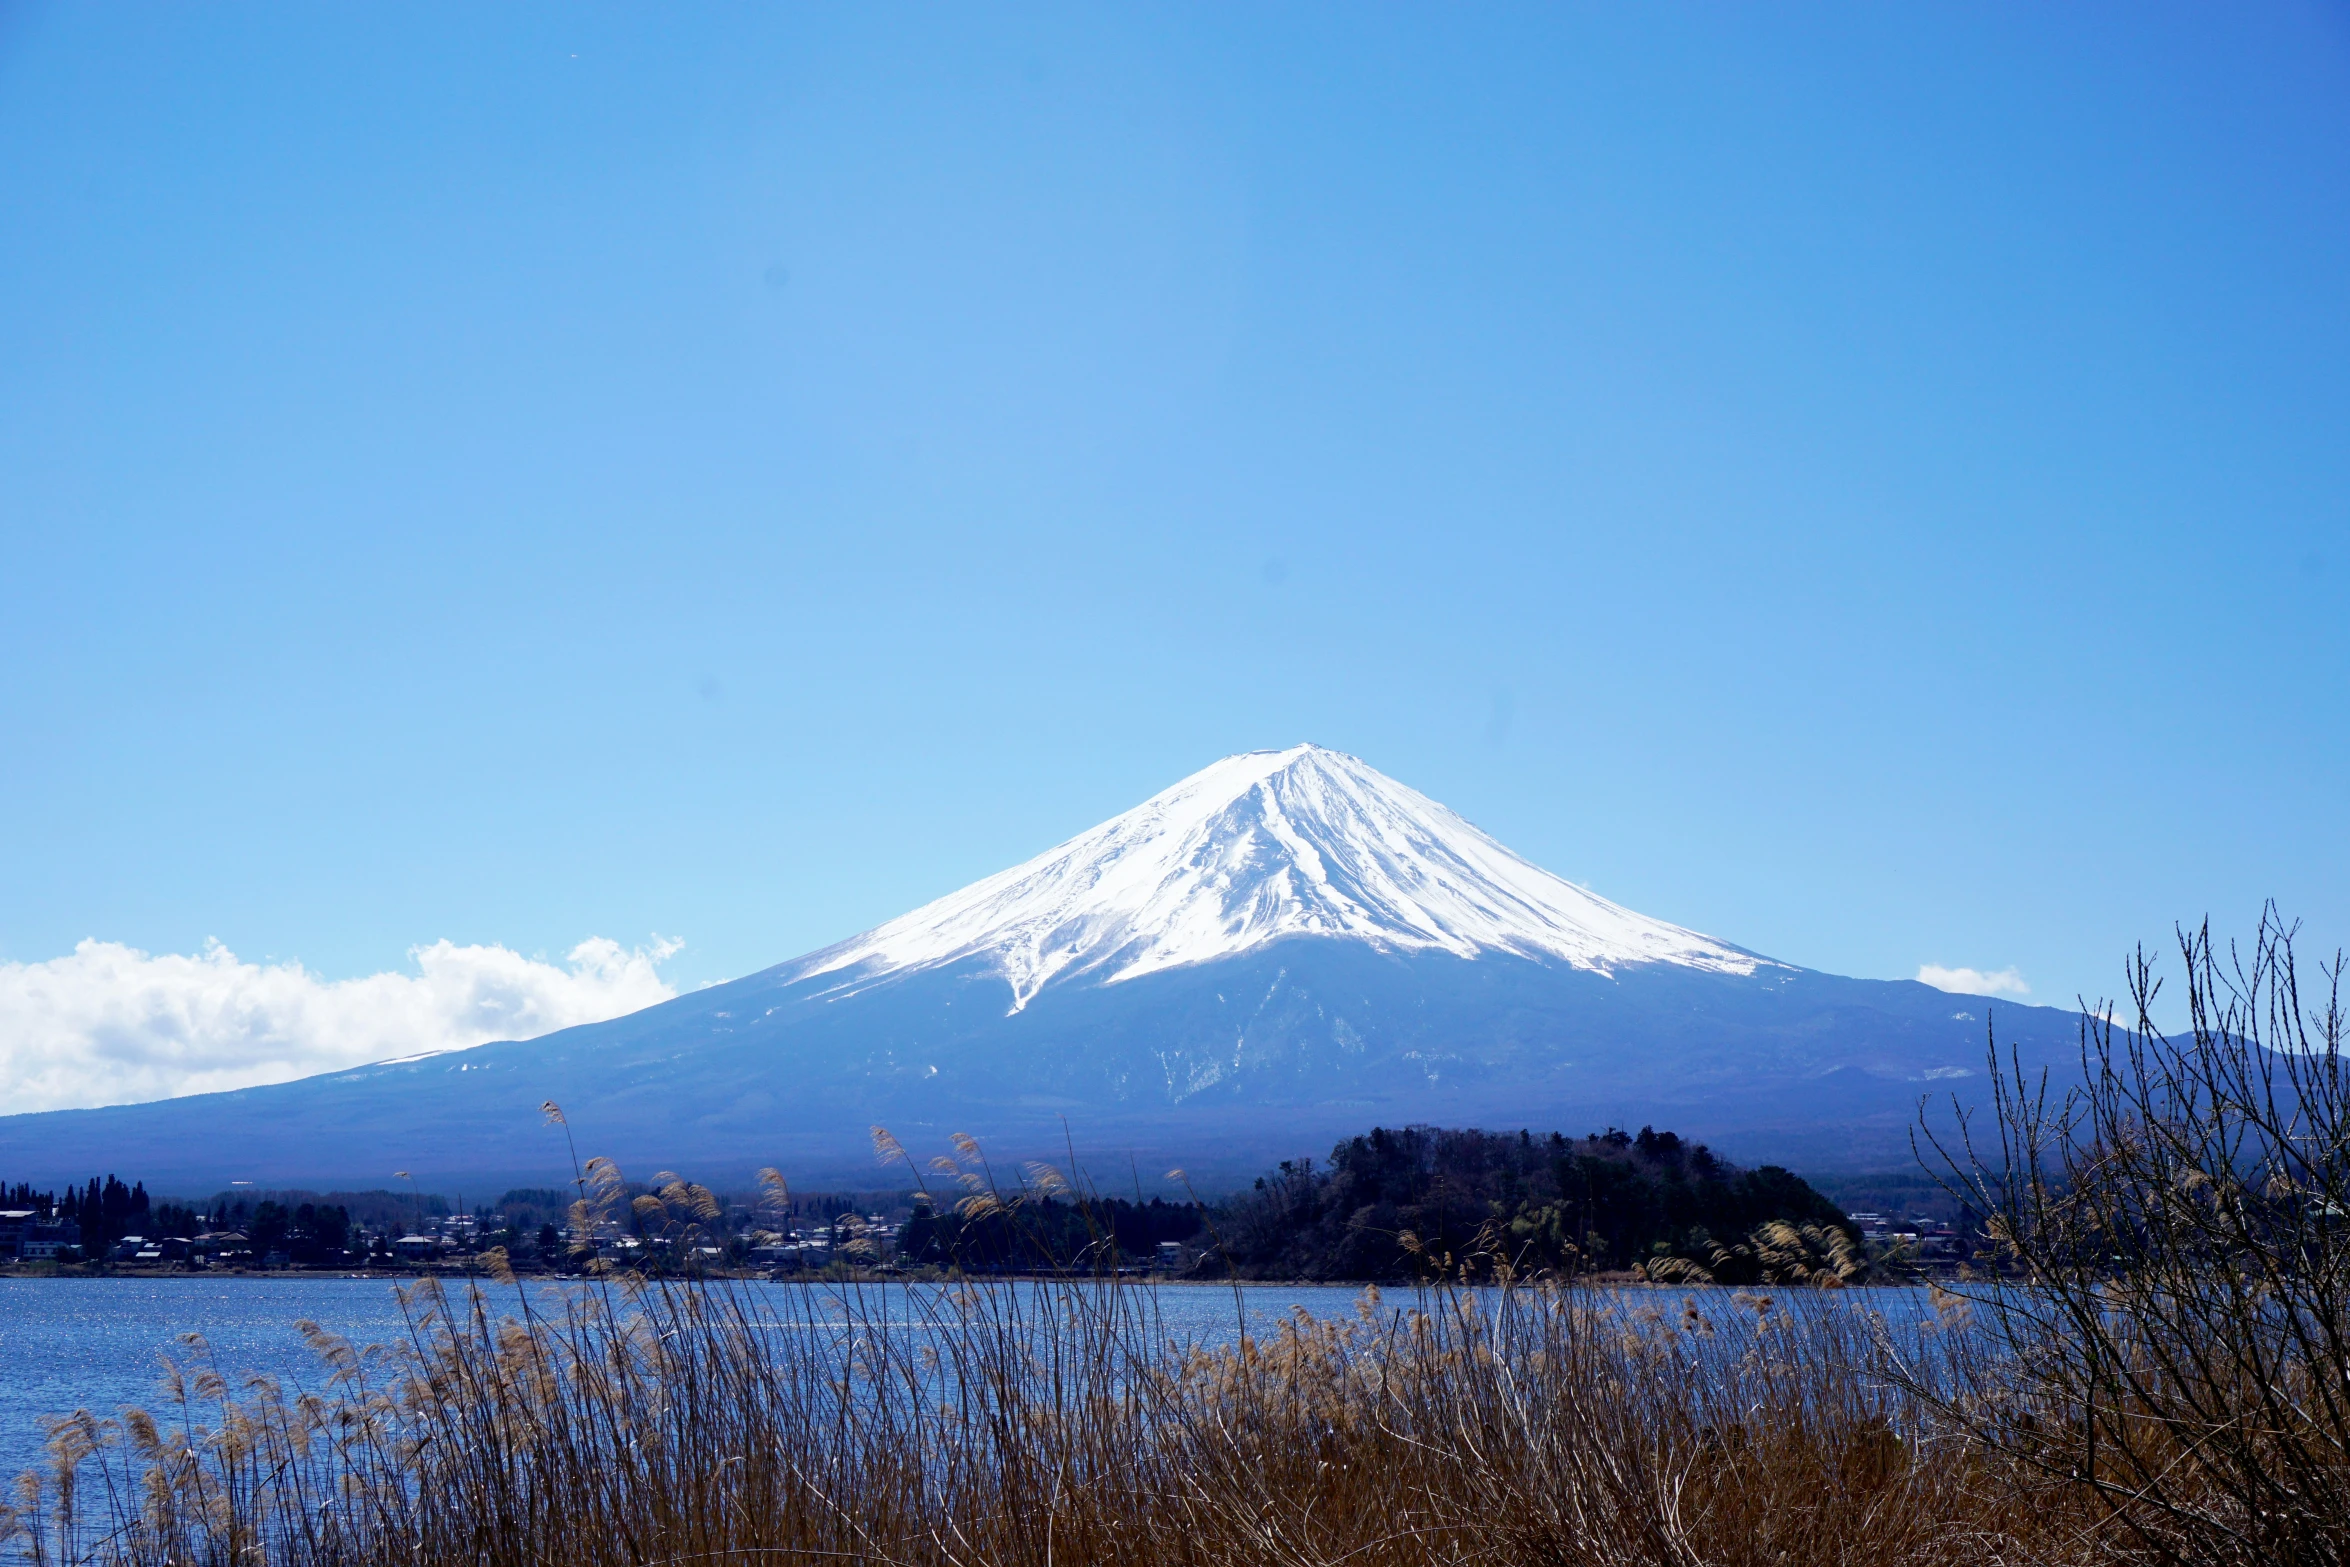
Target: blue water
68	1344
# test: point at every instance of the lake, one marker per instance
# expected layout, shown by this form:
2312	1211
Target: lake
68	1344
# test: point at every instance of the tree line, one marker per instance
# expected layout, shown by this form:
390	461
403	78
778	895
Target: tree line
1394	1203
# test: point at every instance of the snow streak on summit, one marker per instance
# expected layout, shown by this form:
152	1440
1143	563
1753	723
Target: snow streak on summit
1254	849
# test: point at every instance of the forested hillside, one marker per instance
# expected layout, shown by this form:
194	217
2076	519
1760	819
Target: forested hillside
1424	1201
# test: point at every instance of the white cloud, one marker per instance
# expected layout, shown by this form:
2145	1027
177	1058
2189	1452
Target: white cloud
1974	981
112	1025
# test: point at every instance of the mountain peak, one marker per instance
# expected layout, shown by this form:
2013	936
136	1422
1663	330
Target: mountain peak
1259	847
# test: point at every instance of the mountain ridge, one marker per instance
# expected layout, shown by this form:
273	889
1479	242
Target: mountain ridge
1284	948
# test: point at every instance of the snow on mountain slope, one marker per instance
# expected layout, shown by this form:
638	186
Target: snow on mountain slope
1258	847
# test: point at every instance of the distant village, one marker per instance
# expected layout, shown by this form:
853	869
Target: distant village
110	1227
121	1227
1926	1240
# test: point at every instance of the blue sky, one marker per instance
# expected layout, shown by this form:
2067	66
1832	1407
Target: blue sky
1870	483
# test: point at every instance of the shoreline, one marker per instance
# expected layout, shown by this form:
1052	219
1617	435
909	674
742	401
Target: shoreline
400	1276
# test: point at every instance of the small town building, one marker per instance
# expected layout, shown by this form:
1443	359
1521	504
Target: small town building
29	1235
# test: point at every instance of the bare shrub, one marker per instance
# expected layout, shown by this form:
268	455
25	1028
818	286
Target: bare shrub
2169	1292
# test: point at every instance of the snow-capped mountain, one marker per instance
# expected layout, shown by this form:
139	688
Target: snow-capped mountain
1256	849
1285	948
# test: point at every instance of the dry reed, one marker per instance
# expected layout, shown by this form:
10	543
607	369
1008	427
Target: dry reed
621	1422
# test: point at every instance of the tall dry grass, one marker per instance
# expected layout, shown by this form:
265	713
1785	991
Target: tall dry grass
618	1422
